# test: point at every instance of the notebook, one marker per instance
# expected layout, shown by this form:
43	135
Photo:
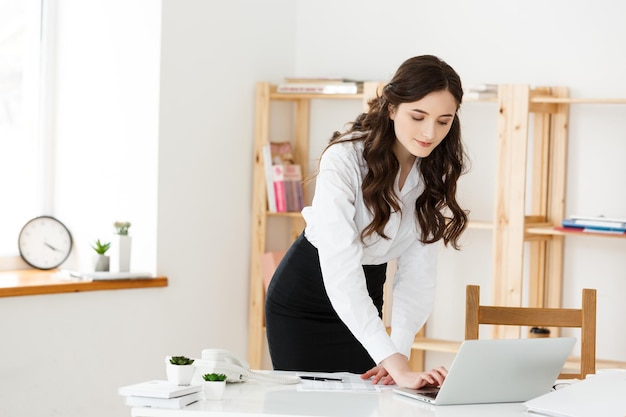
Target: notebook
597	395
498	371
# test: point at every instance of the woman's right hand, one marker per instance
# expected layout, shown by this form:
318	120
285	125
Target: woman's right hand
397	368
432	378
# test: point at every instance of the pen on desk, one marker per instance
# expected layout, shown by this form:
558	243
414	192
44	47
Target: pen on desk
319	378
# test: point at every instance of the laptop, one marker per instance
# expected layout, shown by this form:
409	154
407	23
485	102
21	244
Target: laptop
597	395
499	371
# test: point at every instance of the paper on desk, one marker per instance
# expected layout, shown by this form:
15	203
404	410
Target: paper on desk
350	383
102	275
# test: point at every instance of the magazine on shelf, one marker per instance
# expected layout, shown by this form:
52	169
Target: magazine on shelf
482	87
281	152
278	178
283	178
597	223
589	230
320	88
319	80
269	180
479	95
293	187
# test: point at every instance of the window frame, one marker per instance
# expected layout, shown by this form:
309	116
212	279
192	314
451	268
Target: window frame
44	140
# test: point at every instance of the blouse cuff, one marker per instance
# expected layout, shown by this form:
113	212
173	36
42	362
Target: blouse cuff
380	346
403	339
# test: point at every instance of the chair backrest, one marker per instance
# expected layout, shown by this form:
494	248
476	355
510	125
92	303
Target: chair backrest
583	318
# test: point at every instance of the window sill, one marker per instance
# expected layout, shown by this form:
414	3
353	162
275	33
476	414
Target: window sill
35	282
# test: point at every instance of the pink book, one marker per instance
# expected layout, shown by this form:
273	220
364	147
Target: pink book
279	188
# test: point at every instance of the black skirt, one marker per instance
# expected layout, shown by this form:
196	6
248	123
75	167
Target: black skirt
304	332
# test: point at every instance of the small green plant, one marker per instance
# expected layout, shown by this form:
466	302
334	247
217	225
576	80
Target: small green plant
214	377
121	228
181	360
101	248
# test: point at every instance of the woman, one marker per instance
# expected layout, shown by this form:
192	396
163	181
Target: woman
386	189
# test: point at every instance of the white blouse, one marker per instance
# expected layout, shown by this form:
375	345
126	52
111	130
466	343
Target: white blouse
334	222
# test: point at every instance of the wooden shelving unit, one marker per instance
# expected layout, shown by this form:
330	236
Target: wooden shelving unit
521	218
530	218
265	95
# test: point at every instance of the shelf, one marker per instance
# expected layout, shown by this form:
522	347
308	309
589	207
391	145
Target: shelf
295	96
36	282
292	214
436	345
452	346
266	94
273	95
551	231
571	100
480	225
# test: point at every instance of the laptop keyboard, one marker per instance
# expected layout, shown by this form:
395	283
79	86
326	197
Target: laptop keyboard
429	394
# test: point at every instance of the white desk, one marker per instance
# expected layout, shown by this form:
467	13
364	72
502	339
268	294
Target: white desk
262	399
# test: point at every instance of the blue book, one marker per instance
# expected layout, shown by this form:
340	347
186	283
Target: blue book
591	225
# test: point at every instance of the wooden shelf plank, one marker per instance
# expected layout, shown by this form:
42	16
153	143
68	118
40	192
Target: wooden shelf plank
480	225
452	346
436	345
36	282
290	96
572	100
551	231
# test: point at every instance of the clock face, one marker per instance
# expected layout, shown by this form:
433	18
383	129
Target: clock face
44	242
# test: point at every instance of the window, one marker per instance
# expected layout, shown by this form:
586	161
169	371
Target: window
23	146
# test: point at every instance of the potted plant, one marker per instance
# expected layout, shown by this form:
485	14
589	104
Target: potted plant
101	260
121	248
179	370
121	228
214	386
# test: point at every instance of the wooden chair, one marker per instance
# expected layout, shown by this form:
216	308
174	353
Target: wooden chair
583	318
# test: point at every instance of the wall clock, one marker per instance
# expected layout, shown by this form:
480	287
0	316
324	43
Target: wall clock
44	242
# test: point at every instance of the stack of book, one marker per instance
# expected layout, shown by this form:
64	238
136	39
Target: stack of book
283	179
161	394
480	92
323	85
598	224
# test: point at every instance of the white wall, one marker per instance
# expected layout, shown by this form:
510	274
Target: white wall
168	147
534	42
177	96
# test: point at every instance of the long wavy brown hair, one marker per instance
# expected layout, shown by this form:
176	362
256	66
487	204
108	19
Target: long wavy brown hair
437	210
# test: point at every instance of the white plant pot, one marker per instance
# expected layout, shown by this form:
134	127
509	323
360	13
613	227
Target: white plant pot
179	374
214	390
101	263
120	253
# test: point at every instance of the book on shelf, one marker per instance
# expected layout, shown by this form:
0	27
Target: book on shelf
283	178
479	95
158	389
598	221
294	194
269	178
322	80
344	87
480	91
595	223
281	152
278	178
169	403
482	88
590	230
